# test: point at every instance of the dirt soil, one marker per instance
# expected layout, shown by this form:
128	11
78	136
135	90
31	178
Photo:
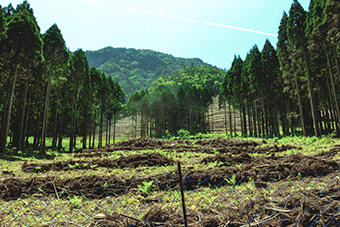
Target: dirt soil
266	169
131	161
230	146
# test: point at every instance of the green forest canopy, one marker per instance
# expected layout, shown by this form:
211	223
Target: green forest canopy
137	69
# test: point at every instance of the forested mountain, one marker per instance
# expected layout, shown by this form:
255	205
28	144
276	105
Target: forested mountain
137	69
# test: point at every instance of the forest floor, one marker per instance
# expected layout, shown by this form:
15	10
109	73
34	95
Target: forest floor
135	183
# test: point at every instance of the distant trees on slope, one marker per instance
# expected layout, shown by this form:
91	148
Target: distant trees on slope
295	87
179	101
45	89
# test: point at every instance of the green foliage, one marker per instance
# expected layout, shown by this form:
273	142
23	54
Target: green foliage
75	201
183	133
136	69
231	181
146	187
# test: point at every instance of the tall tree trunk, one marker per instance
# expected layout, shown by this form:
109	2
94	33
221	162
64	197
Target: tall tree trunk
106	131
136	126
23	116
302	118
225	119
114	126
290	119
100	142
311	98
249	119
8	111
25	134
56	116
333	89
85	129
141	125
60	141
47	101
235	122
336	61
230	119
90	135
73	122
94	129
254	119
110	131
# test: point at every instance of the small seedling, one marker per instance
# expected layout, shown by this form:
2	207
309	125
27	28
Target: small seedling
231	181
74	166
146	187
75	201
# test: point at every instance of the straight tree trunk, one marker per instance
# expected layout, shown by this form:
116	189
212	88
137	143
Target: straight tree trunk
302	118
26	121
23	116
225	119
90	135
254	119
47	101
336	61
235	122
60	140
114	126
311	98
110	131
56	116
333	89
100	142
73	136
230	119
136	126
5	126
94	129
85	130
106	131
249	119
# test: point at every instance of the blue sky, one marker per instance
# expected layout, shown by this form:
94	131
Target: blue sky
213	31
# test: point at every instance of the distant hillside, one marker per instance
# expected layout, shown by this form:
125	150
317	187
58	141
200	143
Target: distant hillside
137	69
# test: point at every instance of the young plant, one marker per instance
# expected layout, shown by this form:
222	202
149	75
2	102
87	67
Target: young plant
146	187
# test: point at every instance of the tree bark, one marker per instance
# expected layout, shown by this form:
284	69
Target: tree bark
47	101
5	126
26	121
56	116
100	141
60	141
94	128
333	89
114	126
21	135
311	97
300	107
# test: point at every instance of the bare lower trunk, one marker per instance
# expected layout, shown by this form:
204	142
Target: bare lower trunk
21	135
311	98
47	101
60	141
5	126
303	126
114	127
56	116
100	142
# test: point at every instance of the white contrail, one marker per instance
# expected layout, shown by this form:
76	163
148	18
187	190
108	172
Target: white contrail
183	18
